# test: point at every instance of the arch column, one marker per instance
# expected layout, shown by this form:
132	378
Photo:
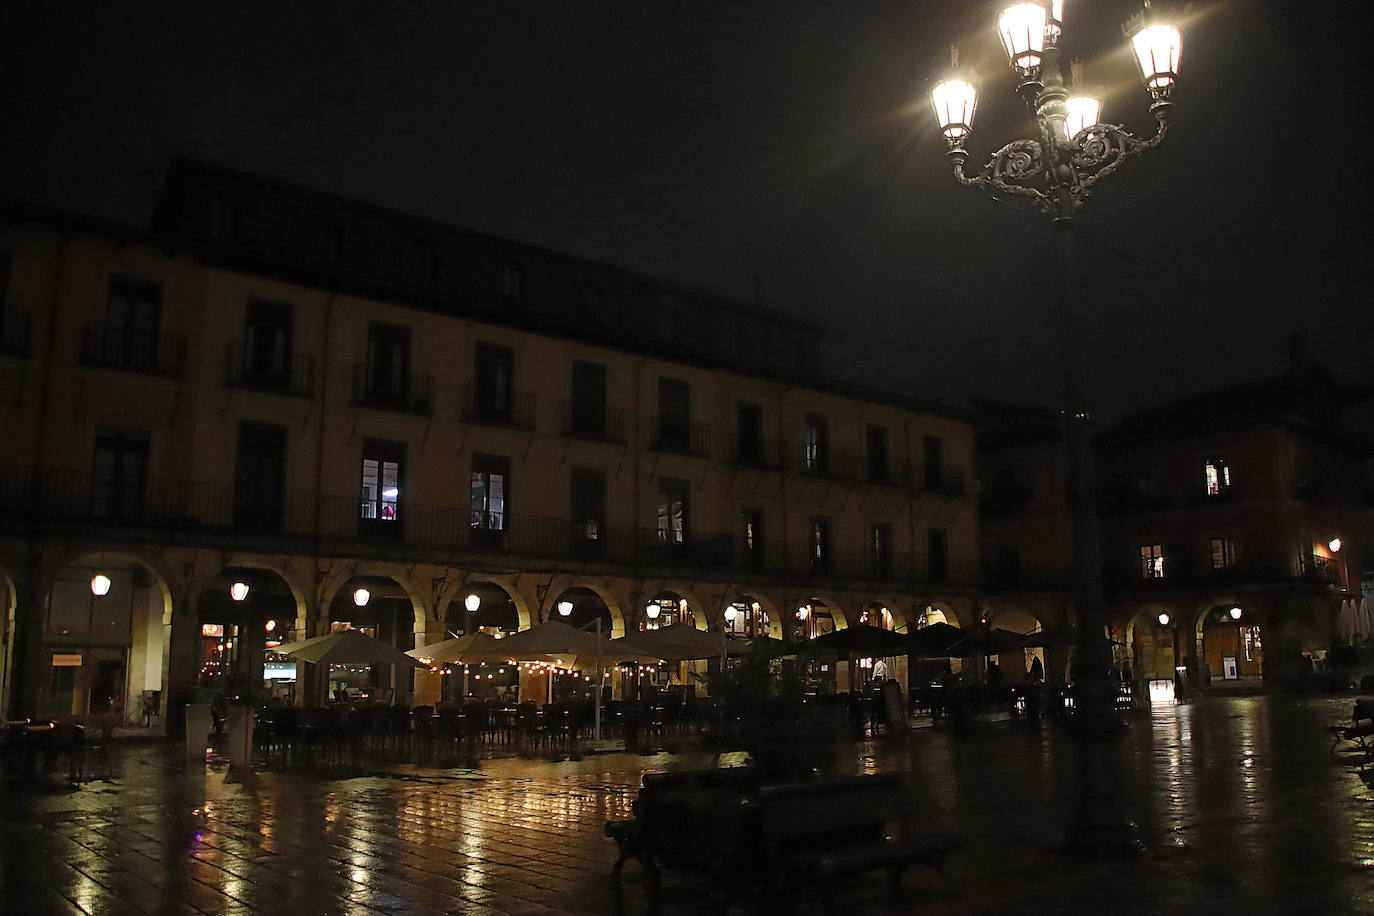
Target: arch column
181	636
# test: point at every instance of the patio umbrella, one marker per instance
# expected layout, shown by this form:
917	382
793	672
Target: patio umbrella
475	647
1345	621
578	648
994	641
681	643
1362	621
347	647
865	641
935	641
1044	639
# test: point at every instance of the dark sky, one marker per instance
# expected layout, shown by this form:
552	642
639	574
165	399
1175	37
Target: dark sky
788	143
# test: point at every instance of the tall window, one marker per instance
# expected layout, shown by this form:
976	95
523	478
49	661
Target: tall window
674	415
267	330
587	414
119	473
388	362
1218	476
819	551
260	476
748	433
383	463
587	508
132	314
1223	553
493	390
751	538
937	554
932	462
816	444
880	550
879	469
490	492
1152	561
672	512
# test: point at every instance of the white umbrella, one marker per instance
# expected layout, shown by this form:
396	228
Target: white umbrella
347	647
1345	621
1362	621
475	647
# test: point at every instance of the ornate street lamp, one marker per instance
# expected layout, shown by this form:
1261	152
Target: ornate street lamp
238	591
1069	152
652	609
361	597
565	608
100	585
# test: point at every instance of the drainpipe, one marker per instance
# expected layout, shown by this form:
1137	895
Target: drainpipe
312	687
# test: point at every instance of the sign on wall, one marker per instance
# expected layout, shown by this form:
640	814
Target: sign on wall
66	660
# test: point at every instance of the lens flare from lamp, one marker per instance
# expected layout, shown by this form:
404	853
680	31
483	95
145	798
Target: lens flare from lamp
238	591
1235	613
565	608
1163	618
1158	49
100	585
1022	29
1084	112
653	610
472	603
955	102
361	597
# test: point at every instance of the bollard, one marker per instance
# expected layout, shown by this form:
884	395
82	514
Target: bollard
240	739
198	723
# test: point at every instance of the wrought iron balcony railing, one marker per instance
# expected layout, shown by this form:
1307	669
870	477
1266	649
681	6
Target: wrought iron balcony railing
404	393
670	434
293	374
756	452
608	425
116	346
497	407
835	464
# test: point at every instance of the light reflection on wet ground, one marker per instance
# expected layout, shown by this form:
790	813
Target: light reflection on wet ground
1240	802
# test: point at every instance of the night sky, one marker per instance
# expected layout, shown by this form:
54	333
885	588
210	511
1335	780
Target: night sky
787	147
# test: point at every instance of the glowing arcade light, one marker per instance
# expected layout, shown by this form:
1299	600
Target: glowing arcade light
361	597
271	625
472	603
731	613
1163	618
238	591
1235	613
1334	544
565	607
653	610
100	585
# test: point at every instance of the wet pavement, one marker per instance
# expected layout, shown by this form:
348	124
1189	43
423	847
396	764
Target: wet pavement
1242	805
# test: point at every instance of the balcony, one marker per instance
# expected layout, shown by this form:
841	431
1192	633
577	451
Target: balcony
942	480
827	463
296	376
14	332
1180	571
882	471
116	346
679	437
405	394
486	407
73	504
757	452
594	426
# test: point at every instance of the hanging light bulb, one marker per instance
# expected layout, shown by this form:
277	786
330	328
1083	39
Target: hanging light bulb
565	607
361	597
472	603
100	585
238	591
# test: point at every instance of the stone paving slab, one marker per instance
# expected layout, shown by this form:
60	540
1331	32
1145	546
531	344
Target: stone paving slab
1243	807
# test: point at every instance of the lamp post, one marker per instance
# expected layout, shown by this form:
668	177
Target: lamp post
1057	169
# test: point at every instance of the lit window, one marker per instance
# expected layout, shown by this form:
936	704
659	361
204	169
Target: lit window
672	512
1223	553
381	489
489	499
1152	561
1218	474
816	446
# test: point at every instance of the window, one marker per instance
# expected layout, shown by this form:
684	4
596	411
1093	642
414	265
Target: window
672	512
512	282
674	415
383	463
587	509
1223	553
1218	476
587	416
751	538
879	469
816	445
267	344
880	550
493	390
937	554
387	372
119	474
1152	561
933	462
260	476
820	545
748	433
419	265
490	493
132	315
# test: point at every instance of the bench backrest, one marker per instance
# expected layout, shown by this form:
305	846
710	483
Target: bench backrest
843	807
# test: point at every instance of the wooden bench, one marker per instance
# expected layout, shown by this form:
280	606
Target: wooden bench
1360	733
816	833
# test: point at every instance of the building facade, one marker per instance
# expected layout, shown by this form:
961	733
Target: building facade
365	417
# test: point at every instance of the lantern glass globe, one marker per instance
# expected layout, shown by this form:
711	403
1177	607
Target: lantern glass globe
955	102
100	585
1158	49
653	610
1163	618
238	591
565	608
1022	30
1235	613
361	597
472	603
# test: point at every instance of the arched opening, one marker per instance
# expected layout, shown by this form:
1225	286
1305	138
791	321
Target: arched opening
1232	642
877	670
484	607
1015	667
104	643
244	613
381	608
932	614
666	609
877	614
581	608
746	618
1158	637
926	671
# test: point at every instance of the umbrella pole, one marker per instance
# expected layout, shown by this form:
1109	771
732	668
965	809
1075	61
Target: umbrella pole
598	680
